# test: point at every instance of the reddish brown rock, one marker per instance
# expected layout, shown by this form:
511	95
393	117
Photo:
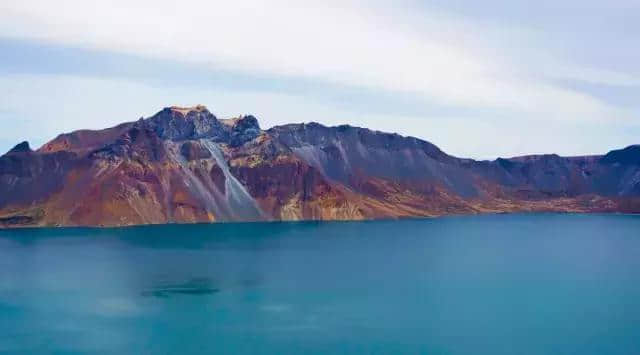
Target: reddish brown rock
183	165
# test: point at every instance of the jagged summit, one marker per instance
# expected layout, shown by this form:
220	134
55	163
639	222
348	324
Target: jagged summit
185	110
21	147
180	123
233	120
175	123
244	129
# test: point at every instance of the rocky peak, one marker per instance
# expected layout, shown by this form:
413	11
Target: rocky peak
22	147
186	110
187	123
244	129
180	123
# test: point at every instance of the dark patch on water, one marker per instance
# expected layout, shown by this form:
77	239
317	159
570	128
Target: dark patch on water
200	286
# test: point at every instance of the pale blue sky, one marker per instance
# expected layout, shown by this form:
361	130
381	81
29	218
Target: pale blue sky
479	79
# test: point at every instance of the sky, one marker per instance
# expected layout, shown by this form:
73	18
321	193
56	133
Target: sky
480	79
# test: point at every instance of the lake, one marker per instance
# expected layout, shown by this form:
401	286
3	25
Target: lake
492	284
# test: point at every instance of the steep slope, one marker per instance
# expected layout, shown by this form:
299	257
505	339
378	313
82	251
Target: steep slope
185	165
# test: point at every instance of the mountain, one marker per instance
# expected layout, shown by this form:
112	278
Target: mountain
185	165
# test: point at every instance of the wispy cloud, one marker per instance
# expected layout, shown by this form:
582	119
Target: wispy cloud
345	43
493	66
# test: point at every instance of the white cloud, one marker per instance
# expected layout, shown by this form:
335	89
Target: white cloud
599	76
444	59
37	108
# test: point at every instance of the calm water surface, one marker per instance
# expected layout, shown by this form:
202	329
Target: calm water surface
501	284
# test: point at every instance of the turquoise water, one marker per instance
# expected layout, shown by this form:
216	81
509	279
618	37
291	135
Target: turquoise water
497	284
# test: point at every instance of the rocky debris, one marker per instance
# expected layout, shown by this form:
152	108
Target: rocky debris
191	150
218	178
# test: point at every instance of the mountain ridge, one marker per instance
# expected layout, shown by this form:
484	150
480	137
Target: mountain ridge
183	164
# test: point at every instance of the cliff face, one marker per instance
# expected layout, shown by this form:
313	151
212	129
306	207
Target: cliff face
185	165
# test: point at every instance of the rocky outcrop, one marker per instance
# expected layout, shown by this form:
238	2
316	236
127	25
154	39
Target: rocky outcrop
627	156
22	147
244	129
181	123
185	165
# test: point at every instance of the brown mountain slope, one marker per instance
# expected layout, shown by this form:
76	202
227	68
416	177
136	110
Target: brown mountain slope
184	165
